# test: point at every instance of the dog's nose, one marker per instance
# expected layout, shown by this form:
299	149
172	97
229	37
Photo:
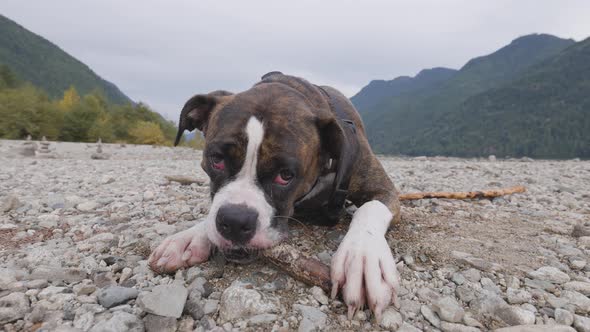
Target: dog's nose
236	222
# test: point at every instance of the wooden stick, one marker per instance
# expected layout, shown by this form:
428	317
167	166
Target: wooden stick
463	195
184	180
299	266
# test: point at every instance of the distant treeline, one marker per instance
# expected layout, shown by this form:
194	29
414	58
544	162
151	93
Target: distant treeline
28	110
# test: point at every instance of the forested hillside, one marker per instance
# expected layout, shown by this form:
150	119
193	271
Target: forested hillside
544	113
431	119
39	61
28	110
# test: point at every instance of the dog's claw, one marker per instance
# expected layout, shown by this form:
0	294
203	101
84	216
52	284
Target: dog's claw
186	255
161	262
334	290
351	311
368	276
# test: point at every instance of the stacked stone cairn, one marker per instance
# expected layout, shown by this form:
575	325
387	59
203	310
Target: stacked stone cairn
29	147
99	154
44	151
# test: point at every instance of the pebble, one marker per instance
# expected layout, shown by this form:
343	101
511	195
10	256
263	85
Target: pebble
36	284
563	317
458	278
581	323
486	304
202	286
262	319
578	286
549	274
391	319
448	309
120	322
454	327
513	315
114	295
240	302
210	307
536	328
87	206
193	306
472	275
518	296
313	318
164	300
319	295
580	302
407	328
154	323
430	316
13	307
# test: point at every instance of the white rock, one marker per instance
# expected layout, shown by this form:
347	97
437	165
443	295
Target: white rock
448	309
239	302
564	317
430	316
319	295
579	301
148	195
518	296
406	327
582	324
578	286
87	206
513	315
391	319
454	327
13	307
164	300
550	274
120	322
313	318
537	328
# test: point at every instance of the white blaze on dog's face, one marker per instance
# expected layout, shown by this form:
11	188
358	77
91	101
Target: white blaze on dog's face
239	214
263	153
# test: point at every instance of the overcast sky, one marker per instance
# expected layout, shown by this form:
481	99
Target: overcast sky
163	52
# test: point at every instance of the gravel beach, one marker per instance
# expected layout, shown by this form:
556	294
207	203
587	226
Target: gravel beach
75	233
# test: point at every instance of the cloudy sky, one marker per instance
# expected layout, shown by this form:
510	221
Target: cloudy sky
162	52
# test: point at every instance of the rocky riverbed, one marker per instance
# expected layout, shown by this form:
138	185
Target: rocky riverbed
75	234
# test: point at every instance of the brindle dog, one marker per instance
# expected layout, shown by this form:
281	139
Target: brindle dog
281	147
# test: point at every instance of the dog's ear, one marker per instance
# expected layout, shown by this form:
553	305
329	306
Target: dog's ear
196	111
338	138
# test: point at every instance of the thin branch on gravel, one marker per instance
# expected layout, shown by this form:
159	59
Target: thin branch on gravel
299	266
463	195
184	180
313	272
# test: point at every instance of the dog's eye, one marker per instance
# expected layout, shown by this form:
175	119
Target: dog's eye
284	177
217	162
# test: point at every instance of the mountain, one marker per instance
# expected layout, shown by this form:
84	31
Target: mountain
37	60
545	112
370	95
395	122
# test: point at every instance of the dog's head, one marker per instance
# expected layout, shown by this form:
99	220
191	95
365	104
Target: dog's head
265	149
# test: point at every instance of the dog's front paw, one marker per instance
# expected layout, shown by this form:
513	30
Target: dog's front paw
364	268
182	249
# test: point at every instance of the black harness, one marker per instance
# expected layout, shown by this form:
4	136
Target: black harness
333	198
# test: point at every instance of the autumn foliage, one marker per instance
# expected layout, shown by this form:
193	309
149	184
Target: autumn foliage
27	110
